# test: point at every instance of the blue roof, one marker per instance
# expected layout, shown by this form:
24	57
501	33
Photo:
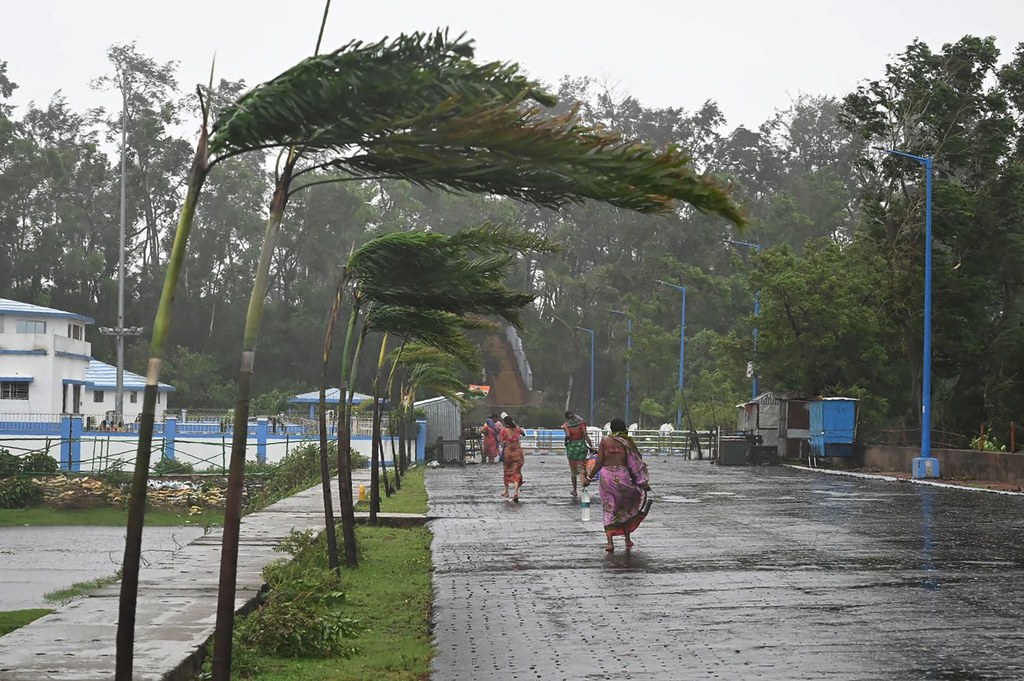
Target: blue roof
102	376
8	306
332	397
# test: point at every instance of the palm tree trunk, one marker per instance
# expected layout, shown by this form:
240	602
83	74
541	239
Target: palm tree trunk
137	501
223	632
374	466
348	516
325	466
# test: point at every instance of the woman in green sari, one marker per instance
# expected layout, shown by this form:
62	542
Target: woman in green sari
577	447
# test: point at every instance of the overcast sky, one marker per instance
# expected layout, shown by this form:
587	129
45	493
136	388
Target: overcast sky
751	56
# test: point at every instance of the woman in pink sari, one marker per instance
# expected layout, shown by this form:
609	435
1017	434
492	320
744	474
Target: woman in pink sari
513	458
624	484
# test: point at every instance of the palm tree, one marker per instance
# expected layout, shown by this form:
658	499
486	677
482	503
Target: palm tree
416	108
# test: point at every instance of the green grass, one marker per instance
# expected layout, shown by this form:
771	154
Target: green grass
45	515
411	499
78	589
15	619
390	594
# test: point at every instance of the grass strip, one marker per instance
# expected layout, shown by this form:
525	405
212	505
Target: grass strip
79	589
389	594
412	498
106	516
15	619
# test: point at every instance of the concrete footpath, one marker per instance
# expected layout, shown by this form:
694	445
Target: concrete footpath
177	605
738	573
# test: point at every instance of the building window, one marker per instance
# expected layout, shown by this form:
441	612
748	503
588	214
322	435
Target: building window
13	390
97	396
74	331
134	397
29	326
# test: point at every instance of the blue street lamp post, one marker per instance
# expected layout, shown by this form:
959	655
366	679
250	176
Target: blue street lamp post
682	349
925	466
591	331
757	312
629	352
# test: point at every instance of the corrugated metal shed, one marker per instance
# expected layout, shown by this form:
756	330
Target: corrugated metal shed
444	418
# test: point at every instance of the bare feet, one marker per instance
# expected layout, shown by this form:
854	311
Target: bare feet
516	498
610	548
505	494
629	544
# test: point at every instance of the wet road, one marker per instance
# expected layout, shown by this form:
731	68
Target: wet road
738	573
36	560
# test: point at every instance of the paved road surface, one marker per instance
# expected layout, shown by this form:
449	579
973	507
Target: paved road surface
739	573
36	560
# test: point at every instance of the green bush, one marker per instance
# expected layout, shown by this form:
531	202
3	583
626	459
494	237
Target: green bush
9	464
19	493
39	462
299	616
169	466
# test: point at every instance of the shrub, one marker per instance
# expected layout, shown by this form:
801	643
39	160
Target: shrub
39	462
19	493
169	466
9	464
300	614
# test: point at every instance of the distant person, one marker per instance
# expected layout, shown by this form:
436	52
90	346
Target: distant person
513	457
490	431
577	446
623	486
103	424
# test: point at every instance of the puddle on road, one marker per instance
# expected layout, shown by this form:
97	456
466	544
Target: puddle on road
672	499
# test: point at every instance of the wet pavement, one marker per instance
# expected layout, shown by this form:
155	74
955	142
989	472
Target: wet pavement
176	610
36	560
738	573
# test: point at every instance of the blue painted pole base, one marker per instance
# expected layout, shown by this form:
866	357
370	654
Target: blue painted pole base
925	467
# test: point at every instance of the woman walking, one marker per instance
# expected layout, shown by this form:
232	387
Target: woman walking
513	457
577	445
624	483
490	438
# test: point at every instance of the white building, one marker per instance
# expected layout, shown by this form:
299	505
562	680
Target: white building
46	367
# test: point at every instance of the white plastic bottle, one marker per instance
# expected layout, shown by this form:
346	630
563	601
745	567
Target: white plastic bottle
585	505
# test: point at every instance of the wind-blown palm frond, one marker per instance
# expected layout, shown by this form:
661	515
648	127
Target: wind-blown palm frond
419	108
419	353
558	160
339	99
431	271
441	330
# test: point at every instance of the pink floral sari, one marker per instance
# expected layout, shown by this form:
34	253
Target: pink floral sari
622	493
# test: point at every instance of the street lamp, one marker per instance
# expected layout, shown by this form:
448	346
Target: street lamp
629	351
925	466
682	348
591	421
120	332
757	312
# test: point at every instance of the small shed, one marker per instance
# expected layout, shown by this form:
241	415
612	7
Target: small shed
444	418
833	426
762	416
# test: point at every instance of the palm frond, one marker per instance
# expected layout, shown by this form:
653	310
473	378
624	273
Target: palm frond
419	108
441	330
337	99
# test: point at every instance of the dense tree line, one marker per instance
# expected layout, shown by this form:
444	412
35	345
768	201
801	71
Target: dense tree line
840	273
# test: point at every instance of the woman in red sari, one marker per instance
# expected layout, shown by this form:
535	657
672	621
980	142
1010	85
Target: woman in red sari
490	439
624	484
513	458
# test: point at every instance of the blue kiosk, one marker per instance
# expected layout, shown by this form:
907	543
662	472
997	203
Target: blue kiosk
833	426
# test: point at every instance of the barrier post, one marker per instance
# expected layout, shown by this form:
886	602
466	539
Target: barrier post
261	440
170	435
